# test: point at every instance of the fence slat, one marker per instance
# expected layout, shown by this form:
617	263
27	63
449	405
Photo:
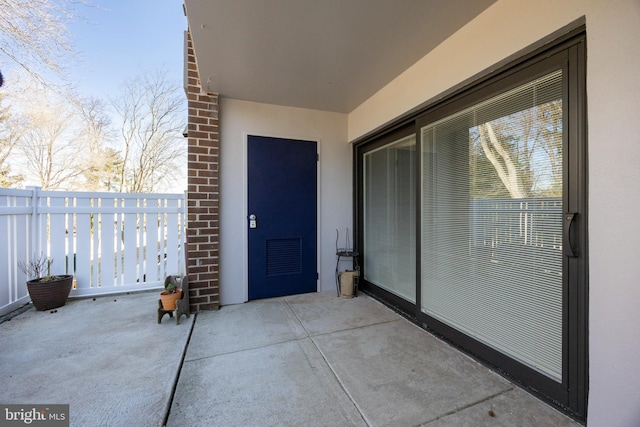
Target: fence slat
130	243
152	256
117	241
57	236
172	249
82	248
107	234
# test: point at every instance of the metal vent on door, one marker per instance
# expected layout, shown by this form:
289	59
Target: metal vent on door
284	256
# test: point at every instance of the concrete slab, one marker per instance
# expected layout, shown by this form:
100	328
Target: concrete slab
108	359
285	384
398	374
324	312
242	327
512	408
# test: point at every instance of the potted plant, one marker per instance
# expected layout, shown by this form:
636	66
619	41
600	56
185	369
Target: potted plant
46	291
170	295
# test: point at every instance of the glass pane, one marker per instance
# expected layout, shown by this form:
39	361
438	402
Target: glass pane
389	218
492	223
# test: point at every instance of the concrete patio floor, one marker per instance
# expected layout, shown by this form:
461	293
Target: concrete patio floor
305	360
107	358
319	360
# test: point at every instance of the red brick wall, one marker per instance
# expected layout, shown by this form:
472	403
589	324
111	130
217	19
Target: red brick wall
203	194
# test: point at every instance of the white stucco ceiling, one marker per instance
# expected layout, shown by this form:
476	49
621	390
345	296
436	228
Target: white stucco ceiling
321	54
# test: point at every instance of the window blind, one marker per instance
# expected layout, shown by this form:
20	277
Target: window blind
389	217
491	233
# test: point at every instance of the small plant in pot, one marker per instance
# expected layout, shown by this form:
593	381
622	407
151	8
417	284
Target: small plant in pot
47	291
171	294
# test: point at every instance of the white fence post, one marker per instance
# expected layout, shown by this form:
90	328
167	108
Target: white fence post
34	230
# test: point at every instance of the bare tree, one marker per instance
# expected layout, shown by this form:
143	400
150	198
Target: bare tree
96	135
33	34
112	169
151	109
10	132
501	159
524	151
50	143
550	137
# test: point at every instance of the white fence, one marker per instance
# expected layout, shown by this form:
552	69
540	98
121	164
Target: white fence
110	242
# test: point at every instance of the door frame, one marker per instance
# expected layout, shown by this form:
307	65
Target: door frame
245	203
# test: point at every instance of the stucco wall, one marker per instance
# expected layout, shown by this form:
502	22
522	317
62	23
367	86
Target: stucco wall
241	118
613	91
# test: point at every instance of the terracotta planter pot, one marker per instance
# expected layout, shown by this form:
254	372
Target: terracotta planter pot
51	294
169	300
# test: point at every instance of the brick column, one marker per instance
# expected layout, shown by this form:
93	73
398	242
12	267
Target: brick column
203	194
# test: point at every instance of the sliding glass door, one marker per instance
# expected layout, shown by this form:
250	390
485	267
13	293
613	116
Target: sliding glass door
492	221
389	217
471	219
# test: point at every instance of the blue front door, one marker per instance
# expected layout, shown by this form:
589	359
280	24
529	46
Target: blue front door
282	206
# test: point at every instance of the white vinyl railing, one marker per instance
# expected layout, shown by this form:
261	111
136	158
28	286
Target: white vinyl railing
110	242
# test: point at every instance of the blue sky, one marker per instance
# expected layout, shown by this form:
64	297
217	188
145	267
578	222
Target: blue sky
123	39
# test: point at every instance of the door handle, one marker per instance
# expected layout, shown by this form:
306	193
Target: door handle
570	218
253	223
